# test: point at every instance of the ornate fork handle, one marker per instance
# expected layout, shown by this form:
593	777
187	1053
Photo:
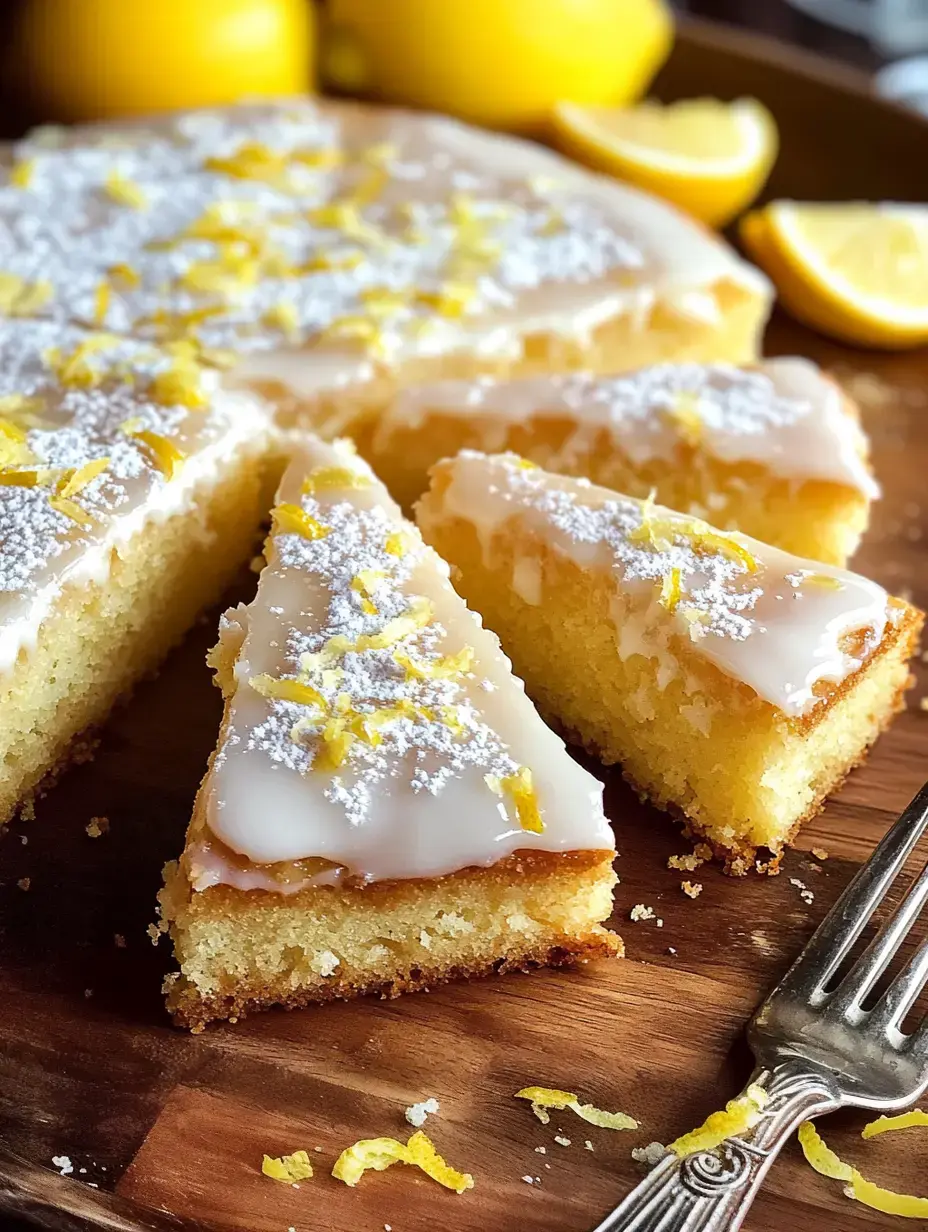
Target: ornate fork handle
711	1191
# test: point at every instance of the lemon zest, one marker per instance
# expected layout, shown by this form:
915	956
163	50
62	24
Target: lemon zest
19	479
180	384
126	274
285	690
163	453
284	316
288	1168
363	584
521	790
71	510
739	1115
543	1098
290	519
324	478
398	543
125	192
22	173
101	302
378	1154
19	298
888	1124
670	589
450	667
824	1160
75	480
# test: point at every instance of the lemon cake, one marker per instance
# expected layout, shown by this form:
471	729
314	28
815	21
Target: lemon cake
736	684
774	450
334	252
130	491
384	809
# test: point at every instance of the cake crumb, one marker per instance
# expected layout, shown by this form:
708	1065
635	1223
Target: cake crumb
561	1140
671	949
24	883
923	703
805	893
528	1180
119	941
154	933
685	864
641	912
63	1164
97	826
820	853
24	839
418	1114
541	1150
692	889
88	993
588	1145
649	1155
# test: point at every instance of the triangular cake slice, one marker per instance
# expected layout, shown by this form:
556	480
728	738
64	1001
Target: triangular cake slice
384	809
130	495
774	450
735	683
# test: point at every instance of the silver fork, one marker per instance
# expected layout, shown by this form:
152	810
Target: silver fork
816	1048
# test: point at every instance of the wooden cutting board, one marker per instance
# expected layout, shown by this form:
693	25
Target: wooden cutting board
166	1130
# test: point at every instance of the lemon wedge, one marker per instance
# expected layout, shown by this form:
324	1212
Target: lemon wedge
708	157
857	272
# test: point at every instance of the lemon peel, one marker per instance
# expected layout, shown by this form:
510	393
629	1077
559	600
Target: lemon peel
22	173
75	480
521	789
398	543
288	1168
824	1160
378	1154
904	1120
71	510
290	519
670	589
19	298
163	453
125	192
450	667
822	1157
686	418
324	478
738	1116
287	690
543	1098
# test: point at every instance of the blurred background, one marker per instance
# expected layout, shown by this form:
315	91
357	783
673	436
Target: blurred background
80	59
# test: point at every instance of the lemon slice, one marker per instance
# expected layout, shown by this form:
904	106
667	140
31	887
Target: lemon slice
709	157
858	272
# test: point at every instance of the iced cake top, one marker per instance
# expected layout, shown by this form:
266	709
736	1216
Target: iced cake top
374	727
782	625
363	233
97	435
784	414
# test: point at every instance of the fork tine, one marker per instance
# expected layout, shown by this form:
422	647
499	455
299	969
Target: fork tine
903	992
879	953
832	940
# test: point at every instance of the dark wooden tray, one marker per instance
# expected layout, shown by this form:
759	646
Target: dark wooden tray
171	1128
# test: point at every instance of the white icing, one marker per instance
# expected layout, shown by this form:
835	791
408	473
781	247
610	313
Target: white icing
541	245
416	804
41	549
784	414
780	629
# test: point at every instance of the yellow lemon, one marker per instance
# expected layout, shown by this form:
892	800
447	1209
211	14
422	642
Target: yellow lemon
502	63
90	59
857	272
709	157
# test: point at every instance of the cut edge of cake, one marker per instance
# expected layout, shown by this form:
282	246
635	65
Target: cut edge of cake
690	734
243	944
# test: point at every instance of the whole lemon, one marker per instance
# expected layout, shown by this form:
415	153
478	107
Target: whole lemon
91	59
502	63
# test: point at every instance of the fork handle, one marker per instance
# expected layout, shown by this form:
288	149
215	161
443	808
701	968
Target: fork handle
711	1191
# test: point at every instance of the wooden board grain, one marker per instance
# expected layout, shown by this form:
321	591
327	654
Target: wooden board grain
171	1128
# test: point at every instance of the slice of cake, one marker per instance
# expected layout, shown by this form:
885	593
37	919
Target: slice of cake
384	809
337	252
130	492
775	451
735	683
